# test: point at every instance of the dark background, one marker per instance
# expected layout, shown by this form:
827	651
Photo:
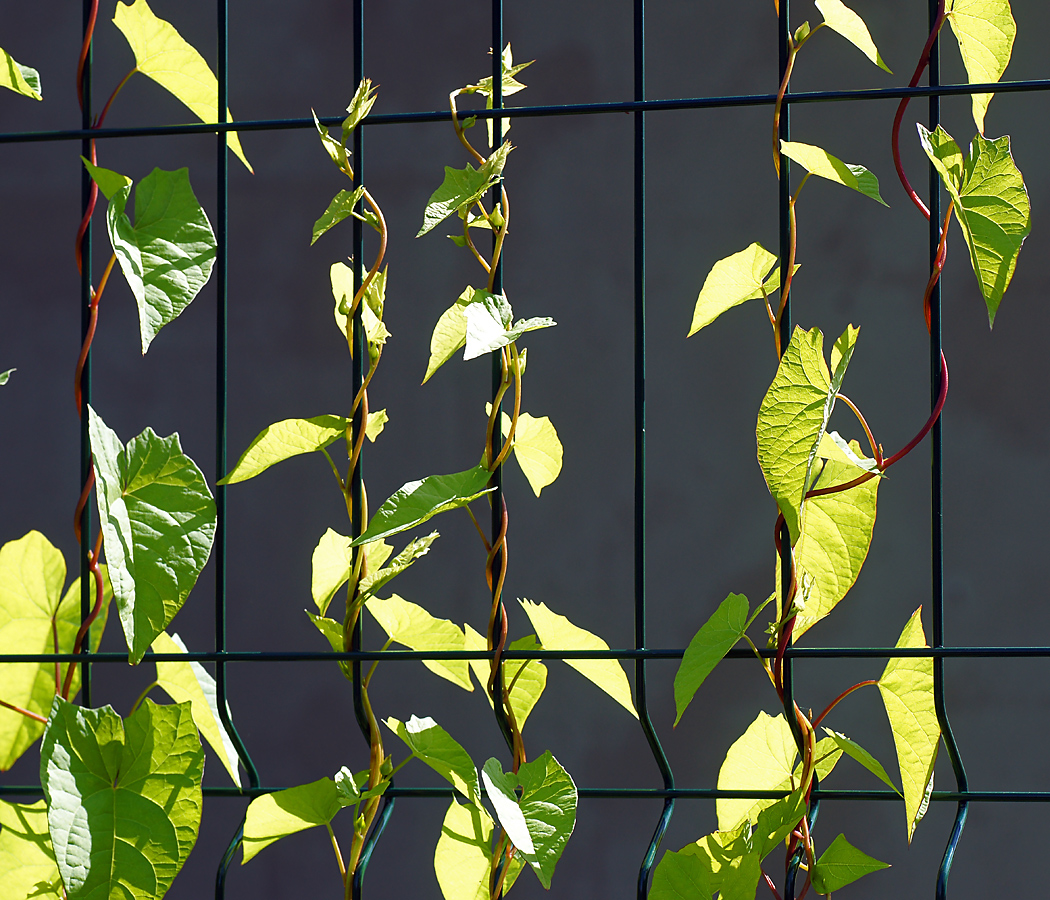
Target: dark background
711	191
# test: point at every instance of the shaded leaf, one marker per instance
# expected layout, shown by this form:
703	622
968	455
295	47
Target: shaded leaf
555	632
852	748
525	678
158	523
430	742
820	162
341	207
732	861
681	876
839	17
377	577
22	79
907	693
5	376
418	501
409	624
732	281
985	30
124	797
277	815
27	861
32	575
991	204
283	440
842	864
162	54
718	635
462	188
189	682
463	857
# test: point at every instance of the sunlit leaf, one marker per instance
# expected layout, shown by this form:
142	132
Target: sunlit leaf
537	448
710	644
839	17
732	281
731	860
189	682
158	523
907	693
332	631
842	864
991	203
462	188
341	207
283	440
820	162
27	861
277	815
985	30
123	797
510	85
22	79
376	423
377	577
330	568
525	678
430	742
163	54
762	759
450	333
489	324
681	876
463	857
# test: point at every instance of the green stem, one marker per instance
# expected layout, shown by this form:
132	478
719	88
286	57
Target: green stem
338	852
335	471
142	696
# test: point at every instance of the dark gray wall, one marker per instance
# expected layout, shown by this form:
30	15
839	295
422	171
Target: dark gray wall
711	191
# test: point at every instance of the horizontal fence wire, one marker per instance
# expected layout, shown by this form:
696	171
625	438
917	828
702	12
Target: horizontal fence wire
639	107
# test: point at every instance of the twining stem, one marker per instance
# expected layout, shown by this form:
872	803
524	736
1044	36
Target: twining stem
459	129
25	712
101	117
96	296
838	699
792	50
876	450
473	249
96	572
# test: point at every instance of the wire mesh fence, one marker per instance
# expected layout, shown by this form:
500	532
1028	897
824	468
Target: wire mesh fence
635	534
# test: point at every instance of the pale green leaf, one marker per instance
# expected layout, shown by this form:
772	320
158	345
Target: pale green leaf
6	375
733	281
539	823
418	501
22	79
189	682
510	85
462	188
681	876
792	419
525	678
430	742
330	568
158	522
341	207
852	748
376	332
907	693
731	860
820	162
32	575
409	624
839	17
27	862
336	152
332	631
537	450
123	797
842	864
168	254
375	424
488	324
283	440
377	576
463	857
277	815
450	333
359	107
777	821
836	448
163	54
555	632
985	30
762	759
991	204
714	640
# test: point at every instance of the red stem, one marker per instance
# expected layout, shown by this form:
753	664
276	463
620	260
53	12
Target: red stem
78	643
771	886
24	712
85	49
841	696
941	397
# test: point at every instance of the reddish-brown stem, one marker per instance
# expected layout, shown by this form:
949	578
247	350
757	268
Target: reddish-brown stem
85	49
85	495
481	533
89	337
105	109
805	886
924	61
840	697
838	488
780	103
941	397
459	130
24	712
770	885
96	573
875	451
938	266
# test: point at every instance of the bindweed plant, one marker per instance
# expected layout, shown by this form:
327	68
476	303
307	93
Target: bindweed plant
826	486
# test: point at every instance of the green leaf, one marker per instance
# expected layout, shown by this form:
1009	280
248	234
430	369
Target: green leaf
539	823
5	376
336	152
821	163
792	419
681	876
376	332
732	861
732	281
852	748
762	759
907	693
430	742
158	523
162	54
168	254
409	624
277	815
985	30
836	535
360	106
525	678
377	577
991	204
332	632
839	17
375	424
18	78
27	862
463	857
842	864
557	633
418	501
330	568
341	207
450	333
462	188
537	448
32	574
510	86
189	682
283	440
123	797
488	324
714	640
